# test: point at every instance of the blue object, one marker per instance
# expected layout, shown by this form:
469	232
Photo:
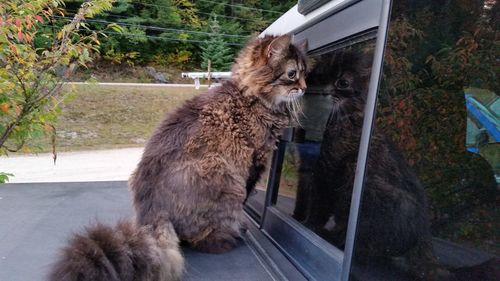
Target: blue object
473	149
472	107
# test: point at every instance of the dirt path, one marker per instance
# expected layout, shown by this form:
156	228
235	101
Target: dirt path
96	165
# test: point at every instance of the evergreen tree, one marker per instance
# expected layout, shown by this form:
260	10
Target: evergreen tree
216	50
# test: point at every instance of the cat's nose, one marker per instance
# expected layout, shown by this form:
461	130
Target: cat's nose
302	84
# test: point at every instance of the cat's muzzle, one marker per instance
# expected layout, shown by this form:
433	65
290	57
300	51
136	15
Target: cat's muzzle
295	93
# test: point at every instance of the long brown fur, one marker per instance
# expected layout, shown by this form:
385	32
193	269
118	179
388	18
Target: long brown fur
195	172
195	168
126	252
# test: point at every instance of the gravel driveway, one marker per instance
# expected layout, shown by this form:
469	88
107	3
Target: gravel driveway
96	165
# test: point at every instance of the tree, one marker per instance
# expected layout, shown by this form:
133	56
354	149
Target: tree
32	76
433	54
171	32
151	29
216	50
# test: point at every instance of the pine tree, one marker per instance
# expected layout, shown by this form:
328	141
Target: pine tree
216	50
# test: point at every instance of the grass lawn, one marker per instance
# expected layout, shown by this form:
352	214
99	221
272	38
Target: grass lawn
113	116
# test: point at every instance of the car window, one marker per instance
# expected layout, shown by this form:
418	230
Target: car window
429	209
337	83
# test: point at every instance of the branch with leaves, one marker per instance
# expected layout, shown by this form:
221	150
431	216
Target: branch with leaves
30	77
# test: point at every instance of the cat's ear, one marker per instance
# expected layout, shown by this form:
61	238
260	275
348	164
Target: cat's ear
367	56
278	46
302	45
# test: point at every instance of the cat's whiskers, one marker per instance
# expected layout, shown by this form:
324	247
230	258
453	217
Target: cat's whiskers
299	107
338	109
295	110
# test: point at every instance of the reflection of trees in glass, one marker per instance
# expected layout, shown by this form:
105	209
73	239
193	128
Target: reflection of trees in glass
436	49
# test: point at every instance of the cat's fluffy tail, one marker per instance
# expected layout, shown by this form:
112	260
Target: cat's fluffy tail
121	253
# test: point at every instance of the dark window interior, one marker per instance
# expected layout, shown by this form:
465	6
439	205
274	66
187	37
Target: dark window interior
308	189
430	202
429	206
299	182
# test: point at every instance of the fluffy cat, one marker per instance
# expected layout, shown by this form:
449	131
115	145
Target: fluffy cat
126	252
196	171
393	218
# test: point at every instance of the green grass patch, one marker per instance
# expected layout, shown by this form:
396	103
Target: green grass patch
100	117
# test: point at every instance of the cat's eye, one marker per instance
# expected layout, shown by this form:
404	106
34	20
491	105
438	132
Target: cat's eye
342	83
291	74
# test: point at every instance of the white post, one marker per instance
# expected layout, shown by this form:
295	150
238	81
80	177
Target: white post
197	83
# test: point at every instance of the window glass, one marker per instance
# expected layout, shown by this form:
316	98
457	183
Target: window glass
314	188
255	201
430	195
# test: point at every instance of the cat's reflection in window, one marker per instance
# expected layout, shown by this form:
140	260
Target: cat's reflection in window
393	216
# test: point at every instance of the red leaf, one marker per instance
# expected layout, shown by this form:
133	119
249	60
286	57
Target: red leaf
20	36
28	22
18	23
39	18
401	104
13	49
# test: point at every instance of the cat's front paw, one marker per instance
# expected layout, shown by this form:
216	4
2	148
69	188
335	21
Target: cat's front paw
243	229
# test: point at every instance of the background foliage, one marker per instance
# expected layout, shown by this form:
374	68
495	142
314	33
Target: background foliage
178	32
34	64
436	50
43	43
